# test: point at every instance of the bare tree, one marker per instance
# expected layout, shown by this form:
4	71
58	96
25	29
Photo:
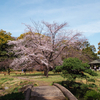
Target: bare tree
43	45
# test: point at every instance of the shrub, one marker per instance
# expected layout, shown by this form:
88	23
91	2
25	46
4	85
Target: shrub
35	84
92	85
92	95
57	69
73	68
78	89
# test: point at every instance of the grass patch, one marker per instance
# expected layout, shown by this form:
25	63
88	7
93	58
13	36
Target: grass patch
50	78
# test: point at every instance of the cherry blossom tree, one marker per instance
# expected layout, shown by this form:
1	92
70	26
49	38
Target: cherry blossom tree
43	45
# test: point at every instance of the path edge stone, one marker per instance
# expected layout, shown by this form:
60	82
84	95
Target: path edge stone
27	92
65	91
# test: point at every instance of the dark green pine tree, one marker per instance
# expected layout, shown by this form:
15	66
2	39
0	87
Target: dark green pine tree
73	68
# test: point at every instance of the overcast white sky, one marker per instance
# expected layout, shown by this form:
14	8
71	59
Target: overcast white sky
81	15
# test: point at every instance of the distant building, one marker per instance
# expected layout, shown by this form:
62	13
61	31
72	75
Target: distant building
95	63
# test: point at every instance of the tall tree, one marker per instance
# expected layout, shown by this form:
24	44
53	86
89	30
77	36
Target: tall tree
45	47
4	37
84	52
99	48
89	51
23	35
4	58
74	52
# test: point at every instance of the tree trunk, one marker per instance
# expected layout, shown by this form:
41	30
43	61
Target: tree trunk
46	70
8	71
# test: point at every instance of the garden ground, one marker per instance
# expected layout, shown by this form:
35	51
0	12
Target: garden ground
15	81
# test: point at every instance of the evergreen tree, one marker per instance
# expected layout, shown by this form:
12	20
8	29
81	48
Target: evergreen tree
73	68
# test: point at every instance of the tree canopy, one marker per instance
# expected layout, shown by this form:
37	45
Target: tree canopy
84	52
43	45
89	51
4	37
5	60
23	35
99	48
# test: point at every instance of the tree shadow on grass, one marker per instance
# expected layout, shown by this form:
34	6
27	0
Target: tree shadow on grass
13	96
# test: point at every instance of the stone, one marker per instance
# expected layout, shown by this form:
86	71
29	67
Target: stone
46	93
6	88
